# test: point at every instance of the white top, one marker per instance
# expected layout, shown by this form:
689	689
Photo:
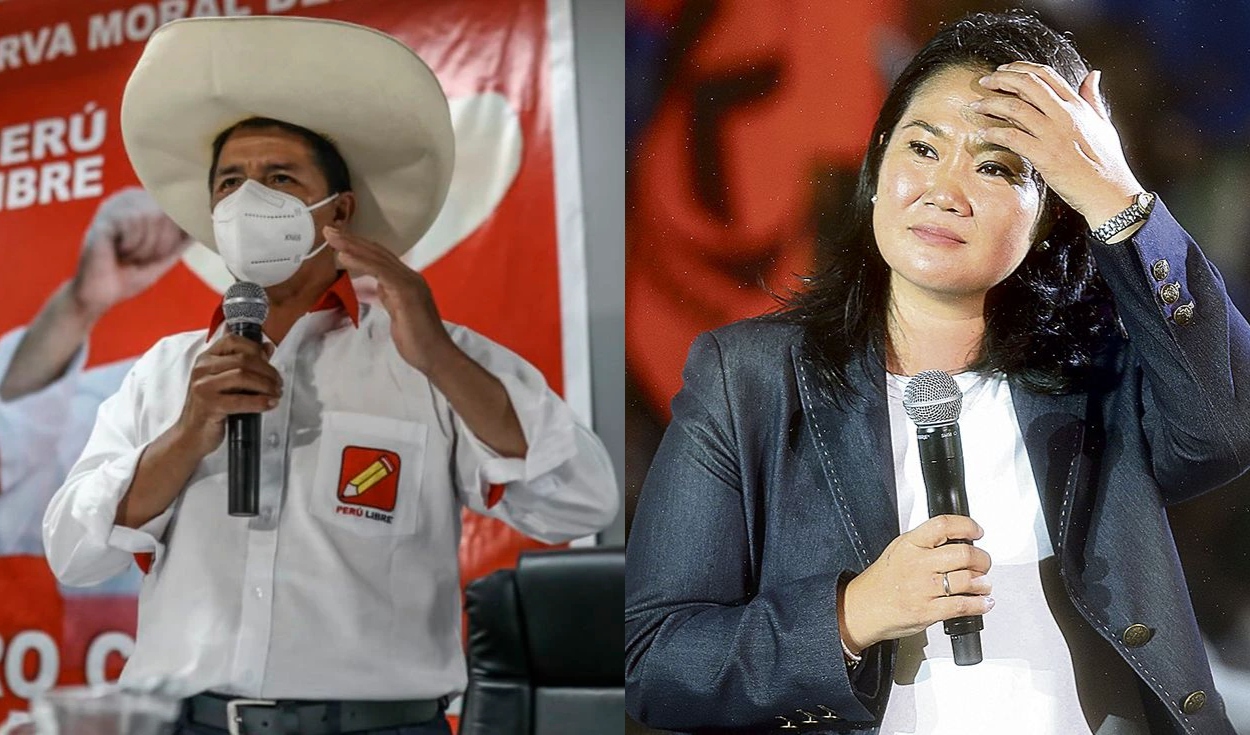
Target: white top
1035	645
332	592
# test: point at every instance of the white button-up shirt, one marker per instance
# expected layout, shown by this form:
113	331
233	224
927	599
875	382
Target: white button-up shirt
346	585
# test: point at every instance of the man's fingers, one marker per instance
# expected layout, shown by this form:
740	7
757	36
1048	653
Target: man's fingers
210	365
124	239
234	381
233	352
356	264
151	245
104	234
369	256
232	343
231	403
136	239
939	530
168	238
348	241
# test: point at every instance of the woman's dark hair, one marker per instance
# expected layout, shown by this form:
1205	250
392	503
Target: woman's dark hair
326	157
1045	322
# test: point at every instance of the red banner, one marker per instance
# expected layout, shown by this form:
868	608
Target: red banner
757	114
504	258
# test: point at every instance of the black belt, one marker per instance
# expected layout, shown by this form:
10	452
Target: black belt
265	717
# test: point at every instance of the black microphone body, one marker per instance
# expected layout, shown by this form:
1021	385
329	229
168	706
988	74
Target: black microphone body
245	306
942	466
243	446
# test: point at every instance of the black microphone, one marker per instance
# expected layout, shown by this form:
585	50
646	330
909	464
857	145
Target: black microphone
246	307
933	401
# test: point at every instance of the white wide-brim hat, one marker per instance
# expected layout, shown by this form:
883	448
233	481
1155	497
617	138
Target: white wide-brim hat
366	92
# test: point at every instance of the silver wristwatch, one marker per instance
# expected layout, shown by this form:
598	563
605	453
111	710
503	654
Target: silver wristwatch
1136	212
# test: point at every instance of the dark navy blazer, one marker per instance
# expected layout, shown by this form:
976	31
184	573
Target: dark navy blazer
764	494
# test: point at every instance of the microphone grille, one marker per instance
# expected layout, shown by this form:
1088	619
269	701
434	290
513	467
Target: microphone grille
245	302
932	398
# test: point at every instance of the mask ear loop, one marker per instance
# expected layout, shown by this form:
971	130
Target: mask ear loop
313	253
323	202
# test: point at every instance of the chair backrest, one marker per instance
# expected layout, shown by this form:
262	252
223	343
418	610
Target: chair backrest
546	646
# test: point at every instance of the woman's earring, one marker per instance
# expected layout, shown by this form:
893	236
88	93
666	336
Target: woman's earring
1043	246
873	199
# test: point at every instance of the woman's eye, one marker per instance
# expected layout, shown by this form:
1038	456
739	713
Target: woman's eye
922	149
997	169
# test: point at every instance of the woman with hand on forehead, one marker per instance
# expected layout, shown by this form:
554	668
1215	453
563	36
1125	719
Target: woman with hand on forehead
783	571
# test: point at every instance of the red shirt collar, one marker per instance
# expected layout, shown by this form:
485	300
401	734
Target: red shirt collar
340	294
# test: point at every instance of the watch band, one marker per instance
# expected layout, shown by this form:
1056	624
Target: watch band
1135	212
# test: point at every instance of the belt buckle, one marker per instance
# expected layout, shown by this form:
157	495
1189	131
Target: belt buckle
234	721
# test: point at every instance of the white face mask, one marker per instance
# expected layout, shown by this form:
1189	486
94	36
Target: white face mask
264	235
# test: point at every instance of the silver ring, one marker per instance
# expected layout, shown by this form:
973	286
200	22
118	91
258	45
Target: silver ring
946	583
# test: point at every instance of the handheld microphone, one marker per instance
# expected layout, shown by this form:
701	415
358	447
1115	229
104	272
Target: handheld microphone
245	305
933	401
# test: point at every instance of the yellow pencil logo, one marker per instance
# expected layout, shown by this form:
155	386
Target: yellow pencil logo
367	478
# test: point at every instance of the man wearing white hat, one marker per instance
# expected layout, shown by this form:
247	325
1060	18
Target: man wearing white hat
336	609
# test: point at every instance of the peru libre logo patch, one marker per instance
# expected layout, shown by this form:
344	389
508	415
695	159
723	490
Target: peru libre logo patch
368	484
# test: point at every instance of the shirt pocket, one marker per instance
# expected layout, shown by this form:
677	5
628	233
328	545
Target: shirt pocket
368	477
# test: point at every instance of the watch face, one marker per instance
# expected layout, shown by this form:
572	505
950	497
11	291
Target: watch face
1145	199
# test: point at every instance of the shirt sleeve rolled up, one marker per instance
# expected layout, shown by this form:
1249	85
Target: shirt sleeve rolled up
564	487
84	545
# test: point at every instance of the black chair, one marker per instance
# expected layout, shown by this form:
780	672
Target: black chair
546	646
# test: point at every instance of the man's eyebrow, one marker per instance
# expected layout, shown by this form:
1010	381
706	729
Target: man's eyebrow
231	170
236	169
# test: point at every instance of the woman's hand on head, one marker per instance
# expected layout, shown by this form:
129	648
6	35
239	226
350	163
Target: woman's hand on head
1066	134
902	592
